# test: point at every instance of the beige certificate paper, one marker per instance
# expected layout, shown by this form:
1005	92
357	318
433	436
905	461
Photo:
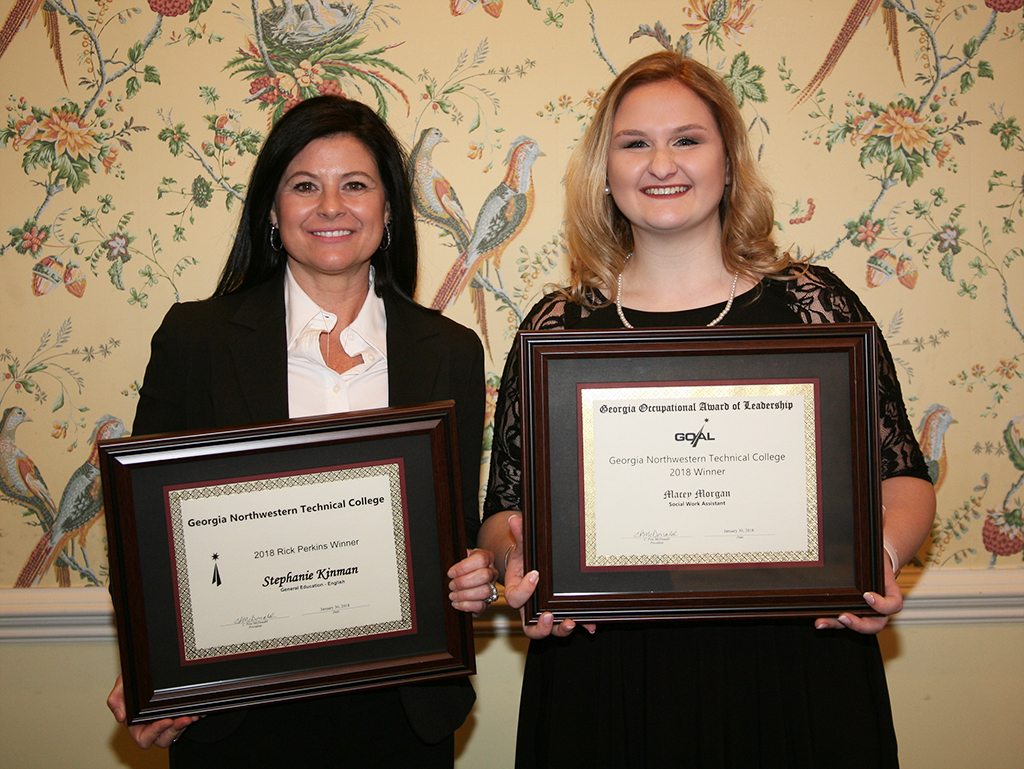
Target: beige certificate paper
699	475
275	562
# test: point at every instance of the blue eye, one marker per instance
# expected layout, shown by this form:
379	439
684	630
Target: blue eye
685	141
635	144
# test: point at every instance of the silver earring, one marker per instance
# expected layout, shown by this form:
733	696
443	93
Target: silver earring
607	191
275	238
386	243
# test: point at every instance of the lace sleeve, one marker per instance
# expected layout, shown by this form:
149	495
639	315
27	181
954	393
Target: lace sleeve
504	484
819	296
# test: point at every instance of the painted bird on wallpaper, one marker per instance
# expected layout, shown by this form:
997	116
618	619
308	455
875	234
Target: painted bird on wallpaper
432	194
502	217
81	505
934	424
492	7
20	479
19	17
858	17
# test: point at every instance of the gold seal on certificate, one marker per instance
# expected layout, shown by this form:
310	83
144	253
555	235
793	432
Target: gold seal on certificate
295	560
676	475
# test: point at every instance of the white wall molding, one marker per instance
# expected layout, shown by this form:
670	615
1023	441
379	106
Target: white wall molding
56	614
932	597
935	596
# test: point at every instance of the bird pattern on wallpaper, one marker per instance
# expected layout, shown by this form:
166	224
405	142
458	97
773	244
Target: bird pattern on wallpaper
932	437
433	195
80	507
19	17
21	482
858	17
501	218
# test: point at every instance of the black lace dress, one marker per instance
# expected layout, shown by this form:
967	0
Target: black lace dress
706	694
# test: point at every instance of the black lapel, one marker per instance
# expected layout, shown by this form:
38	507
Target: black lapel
259	353
414	353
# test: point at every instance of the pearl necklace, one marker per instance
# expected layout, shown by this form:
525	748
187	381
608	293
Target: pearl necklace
715	322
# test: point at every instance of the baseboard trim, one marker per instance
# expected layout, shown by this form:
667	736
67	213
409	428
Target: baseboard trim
933	597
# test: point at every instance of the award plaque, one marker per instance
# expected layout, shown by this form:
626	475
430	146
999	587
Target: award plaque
706	473
276	562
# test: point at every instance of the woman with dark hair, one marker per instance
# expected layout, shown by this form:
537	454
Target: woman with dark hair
294	329
255	257
669	225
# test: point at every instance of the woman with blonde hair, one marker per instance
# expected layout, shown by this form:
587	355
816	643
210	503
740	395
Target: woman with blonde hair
670	225
601	236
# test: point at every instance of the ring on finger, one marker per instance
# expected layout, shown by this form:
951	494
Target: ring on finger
493	596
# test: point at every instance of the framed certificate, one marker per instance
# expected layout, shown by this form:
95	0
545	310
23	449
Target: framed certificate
705	473
277	562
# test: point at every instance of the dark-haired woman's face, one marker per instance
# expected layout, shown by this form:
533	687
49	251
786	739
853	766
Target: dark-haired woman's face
667	163
331	206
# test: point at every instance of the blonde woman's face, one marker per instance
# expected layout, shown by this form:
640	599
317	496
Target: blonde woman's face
667	166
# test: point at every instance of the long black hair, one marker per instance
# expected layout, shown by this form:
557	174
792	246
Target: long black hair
252	260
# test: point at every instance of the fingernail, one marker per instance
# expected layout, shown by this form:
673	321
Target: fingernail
845	619
821	626
532	577
870	598
569	626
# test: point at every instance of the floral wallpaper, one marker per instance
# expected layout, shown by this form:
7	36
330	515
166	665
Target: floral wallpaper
890	129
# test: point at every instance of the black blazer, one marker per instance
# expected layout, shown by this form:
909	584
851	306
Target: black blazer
223	363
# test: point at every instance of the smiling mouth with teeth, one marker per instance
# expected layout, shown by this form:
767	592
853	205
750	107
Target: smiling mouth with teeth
332	233
666	190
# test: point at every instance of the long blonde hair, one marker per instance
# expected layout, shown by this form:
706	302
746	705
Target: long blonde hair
600	237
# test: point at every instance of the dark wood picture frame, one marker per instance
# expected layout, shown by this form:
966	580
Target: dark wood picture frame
136	473
842	361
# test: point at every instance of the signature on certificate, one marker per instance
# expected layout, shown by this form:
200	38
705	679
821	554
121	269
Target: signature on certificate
655	536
